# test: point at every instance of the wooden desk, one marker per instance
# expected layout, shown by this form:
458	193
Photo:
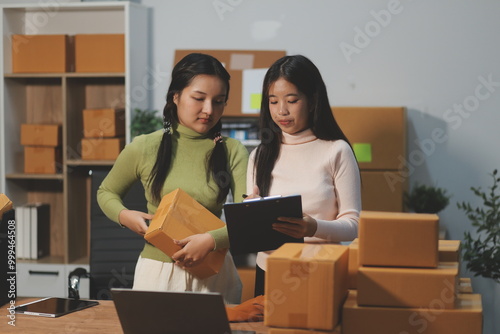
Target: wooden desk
97	319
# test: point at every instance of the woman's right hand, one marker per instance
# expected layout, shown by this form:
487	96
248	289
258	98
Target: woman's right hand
135	220
254	194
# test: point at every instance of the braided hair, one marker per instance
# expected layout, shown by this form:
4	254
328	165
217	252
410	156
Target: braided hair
183	73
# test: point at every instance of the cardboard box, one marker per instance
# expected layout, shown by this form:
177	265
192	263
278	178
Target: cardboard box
42	160
449	251
464	285
306	285
377	134
41	134
41	54
353	264
302	331
466	318
108	122
5	204
179	216
398	239
383	190
100	53
408	287
247	277
102	148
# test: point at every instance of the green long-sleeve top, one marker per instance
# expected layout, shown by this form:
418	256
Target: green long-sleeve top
187	171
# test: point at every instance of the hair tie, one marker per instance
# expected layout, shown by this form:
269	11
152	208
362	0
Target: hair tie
167	126
218	138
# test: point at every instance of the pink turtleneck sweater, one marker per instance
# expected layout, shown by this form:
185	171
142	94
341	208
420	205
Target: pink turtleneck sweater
326	174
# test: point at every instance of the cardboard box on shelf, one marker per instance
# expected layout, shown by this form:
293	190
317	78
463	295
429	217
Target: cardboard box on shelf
102	148
353	263
42	159
408	287
398	239
41	134
466	318
383	190
377	134
179	216
106	122
41	54
100	53
306	285
449	251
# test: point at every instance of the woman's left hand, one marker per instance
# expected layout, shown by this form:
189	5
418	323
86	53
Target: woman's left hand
194	249
297	227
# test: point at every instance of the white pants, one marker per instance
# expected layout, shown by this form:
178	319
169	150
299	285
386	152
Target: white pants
155	275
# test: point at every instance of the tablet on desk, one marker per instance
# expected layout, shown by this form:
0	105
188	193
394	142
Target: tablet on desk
249	224
53	307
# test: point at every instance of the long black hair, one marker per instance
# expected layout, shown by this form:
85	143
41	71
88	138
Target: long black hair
301	72
183	73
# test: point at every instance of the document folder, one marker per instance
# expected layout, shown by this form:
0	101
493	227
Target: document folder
249	224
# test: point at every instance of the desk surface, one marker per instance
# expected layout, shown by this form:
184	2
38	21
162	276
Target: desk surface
98	319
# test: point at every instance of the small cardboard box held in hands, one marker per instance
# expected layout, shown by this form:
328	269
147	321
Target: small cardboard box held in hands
179	216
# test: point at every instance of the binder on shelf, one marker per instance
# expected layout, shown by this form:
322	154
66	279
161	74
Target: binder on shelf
32	231
40	230
20	226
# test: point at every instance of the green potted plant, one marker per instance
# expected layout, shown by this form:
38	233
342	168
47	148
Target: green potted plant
144	122
481	251
426	199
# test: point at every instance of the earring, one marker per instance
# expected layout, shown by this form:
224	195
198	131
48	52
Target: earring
167	126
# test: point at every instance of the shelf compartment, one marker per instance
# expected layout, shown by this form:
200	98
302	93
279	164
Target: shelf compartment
88	93
44	191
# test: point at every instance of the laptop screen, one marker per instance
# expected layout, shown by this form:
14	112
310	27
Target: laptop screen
170	312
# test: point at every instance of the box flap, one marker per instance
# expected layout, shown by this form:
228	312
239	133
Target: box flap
5	204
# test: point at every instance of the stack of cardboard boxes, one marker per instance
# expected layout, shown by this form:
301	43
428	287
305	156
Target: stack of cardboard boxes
63	53
378	137
104	133
42	148
403	284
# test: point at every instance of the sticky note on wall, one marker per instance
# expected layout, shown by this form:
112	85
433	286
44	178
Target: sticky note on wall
255	100
363	152
252	90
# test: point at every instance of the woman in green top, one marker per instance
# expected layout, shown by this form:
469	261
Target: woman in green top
189	153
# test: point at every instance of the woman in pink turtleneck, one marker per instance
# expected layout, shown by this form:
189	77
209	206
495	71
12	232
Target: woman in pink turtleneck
304	151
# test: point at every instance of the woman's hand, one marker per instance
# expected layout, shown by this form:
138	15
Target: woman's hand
297	227
194	249
135	220
254	194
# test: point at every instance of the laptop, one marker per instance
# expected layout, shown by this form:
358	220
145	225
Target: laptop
166	312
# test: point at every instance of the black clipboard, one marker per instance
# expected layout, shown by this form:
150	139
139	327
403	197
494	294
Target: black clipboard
249	224
54	307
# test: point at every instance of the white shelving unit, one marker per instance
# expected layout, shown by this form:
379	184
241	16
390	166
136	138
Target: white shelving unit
60	98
